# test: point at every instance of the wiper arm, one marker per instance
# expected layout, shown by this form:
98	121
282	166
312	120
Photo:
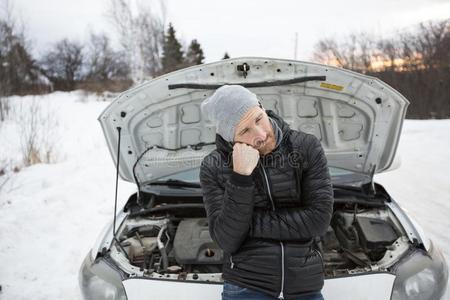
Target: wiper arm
350	190
359	192
176	182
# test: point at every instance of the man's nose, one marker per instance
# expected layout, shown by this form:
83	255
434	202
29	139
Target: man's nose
261	134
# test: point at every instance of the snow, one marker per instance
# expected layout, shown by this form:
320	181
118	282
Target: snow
51	214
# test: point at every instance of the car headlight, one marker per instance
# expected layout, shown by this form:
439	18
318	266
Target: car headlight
100	282
422	275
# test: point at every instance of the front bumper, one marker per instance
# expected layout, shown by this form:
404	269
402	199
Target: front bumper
99	280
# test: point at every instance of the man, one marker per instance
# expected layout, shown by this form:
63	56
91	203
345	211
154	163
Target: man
268	196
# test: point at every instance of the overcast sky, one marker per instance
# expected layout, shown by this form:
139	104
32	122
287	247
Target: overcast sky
241	27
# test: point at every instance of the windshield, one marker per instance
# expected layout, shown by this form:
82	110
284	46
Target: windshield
192	175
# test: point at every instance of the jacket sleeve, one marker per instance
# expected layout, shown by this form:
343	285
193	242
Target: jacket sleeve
229	208
313	218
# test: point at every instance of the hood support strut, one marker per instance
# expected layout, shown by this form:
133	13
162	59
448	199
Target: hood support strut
115	197
372	190
117	180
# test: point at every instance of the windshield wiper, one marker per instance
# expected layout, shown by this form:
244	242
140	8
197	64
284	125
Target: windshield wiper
176	182
358	191
350	190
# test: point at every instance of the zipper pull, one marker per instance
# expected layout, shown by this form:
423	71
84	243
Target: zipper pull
231	261
281	295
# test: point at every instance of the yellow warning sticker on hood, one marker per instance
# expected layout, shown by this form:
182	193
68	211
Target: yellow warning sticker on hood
331	86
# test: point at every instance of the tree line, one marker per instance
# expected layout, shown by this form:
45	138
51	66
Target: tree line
148	47
416	62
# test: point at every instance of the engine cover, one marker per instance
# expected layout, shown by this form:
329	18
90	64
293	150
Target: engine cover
375	233
193	243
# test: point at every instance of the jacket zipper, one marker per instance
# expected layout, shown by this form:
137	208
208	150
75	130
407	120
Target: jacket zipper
320	254
280	296
231	262
321	257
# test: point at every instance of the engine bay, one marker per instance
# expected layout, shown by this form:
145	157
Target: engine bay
165	243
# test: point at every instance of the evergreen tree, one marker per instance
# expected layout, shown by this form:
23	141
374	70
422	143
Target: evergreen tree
18	69
226	56
172	58
194	55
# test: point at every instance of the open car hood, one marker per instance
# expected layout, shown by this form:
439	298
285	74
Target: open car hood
357	118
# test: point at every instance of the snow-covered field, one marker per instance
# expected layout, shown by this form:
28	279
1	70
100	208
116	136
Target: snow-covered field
51	214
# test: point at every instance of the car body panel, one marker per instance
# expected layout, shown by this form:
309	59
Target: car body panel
413	230
357	118
106	237
376	286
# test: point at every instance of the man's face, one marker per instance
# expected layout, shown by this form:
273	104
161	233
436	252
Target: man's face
255	129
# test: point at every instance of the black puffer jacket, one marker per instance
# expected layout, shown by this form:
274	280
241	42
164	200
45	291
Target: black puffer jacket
266	222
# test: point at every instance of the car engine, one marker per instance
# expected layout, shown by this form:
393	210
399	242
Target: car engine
171	245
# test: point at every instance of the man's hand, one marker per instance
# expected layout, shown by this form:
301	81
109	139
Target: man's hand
245	158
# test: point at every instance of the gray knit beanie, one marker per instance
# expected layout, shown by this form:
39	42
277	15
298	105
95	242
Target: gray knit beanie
227	106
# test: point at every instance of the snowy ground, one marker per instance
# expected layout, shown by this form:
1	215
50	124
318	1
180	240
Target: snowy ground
51	214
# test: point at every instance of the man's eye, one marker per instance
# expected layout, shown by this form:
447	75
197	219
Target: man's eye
243	131
257	120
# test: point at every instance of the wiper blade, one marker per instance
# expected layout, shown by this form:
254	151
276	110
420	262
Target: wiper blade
176	182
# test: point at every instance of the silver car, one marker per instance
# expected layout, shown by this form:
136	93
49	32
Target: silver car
158	245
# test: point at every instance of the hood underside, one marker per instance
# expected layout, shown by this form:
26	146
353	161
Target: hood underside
357	118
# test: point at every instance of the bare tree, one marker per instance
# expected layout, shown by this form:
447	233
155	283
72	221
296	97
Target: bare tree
141	36
416	62
151	38
411	60
366	51
63	64
355	52
102	62
328	52
389	52
432	43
